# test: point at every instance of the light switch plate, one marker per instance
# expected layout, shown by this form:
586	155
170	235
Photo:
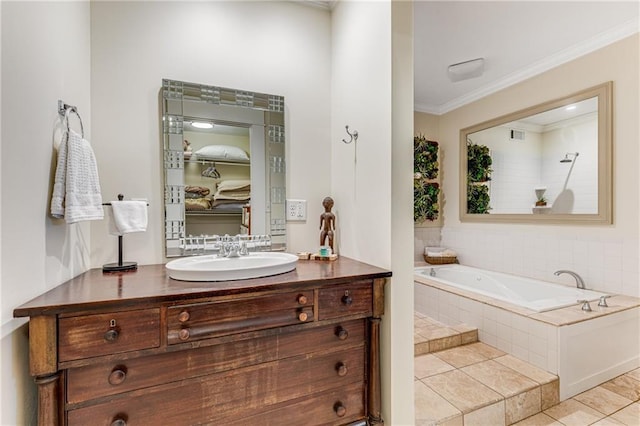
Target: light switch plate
296	210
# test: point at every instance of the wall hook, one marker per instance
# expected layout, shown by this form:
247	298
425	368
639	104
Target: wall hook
354	135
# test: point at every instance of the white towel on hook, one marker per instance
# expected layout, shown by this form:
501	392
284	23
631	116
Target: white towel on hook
76	189
128	216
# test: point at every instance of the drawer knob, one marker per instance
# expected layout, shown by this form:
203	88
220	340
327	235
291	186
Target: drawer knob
302	299
302	316
184	334
347	299
118	375
341	368
111	335
119	421
183	316
340	409
342	333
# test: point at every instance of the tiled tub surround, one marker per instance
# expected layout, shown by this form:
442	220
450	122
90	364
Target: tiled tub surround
607	263
583	348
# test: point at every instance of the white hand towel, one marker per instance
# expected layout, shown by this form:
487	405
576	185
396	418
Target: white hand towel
128	216
76	190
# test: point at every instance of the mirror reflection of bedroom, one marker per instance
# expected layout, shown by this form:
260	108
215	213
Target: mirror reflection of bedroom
217	176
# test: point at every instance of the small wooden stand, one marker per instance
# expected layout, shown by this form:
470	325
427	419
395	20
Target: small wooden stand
317	256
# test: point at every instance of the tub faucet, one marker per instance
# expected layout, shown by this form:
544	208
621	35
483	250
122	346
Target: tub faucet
579	281
432	272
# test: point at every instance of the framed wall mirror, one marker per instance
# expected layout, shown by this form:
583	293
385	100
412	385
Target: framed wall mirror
548	163
224	165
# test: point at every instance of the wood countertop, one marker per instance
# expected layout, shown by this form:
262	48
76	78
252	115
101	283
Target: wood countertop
95	289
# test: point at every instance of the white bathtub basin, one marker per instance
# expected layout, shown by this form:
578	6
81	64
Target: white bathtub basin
213	268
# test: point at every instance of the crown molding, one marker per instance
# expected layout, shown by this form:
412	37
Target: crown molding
590	45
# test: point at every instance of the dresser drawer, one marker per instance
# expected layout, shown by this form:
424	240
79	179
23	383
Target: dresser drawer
239	393
214	319
103	334
336	407
337	336
345	300
111	378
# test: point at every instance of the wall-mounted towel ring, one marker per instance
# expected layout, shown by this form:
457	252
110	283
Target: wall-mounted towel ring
353	135
65	110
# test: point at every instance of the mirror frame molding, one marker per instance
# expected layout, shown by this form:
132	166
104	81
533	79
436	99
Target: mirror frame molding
604	93
180	99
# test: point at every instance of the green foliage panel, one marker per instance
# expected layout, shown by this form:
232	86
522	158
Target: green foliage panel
425	169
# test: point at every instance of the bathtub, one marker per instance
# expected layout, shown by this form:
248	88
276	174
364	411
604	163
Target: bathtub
536	321
538	296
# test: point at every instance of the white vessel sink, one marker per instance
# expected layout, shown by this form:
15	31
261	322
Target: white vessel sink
213	268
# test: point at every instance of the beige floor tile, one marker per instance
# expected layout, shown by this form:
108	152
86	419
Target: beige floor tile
574	413
469	337
485	350
465	393
539	419
549	394
500	378
421	348
463	328
419	338
436	332
431	408
630	415
490	415
624	385
461	356
429	365
443	343
603	400
534	373
608	421
522	405
634	374
456	421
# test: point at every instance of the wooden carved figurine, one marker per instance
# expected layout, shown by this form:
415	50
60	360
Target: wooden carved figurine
327	223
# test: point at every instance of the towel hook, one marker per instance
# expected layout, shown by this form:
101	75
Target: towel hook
354	135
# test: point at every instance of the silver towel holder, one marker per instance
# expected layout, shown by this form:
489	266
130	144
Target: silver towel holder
353	135
64	109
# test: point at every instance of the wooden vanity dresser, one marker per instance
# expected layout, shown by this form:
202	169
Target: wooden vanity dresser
139	348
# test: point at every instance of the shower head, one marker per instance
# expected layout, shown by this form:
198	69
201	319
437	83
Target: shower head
566	158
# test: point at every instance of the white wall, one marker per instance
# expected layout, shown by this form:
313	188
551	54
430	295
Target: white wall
280	48
605	255
372	92
45	57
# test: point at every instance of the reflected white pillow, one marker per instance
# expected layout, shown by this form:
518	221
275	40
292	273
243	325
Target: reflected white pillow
222	152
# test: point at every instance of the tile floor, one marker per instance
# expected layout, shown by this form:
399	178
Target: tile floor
476	384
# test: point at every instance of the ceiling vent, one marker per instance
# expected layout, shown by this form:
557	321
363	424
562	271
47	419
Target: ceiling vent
466	70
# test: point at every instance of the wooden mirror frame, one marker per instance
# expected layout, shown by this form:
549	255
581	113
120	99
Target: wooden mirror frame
604	94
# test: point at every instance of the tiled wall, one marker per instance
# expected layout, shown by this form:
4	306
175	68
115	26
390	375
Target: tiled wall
606	264
425	237
524	338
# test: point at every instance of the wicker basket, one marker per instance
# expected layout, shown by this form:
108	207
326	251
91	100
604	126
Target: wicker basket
440	260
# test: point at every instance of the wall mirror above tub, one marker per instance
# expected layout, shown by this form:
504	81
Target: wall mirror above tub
548	163
224	165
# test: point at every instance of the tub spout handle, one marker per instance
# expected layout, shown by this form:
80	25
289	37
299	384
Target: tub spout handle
585	305
603	301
